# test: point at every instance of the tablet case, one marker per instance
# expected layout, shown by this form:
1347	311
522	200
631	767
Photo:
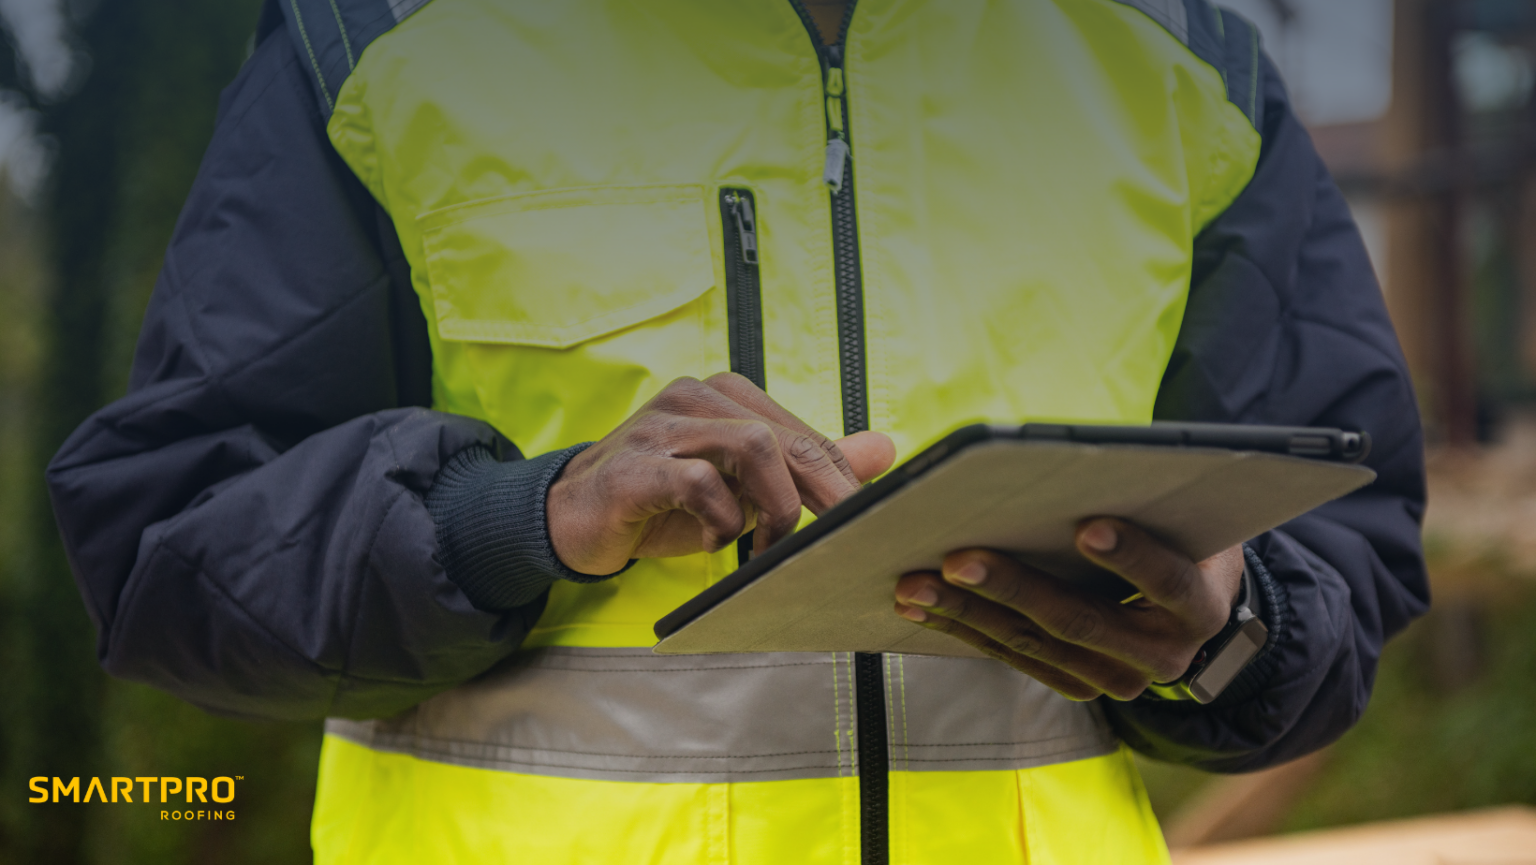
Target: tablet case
1022	497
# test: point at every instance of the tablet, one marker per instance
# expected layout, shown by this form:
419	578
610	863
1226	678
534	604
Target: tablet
1021	490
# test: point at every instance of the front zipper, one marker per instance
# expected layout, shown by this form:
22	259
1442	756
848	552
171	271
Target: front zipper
743	300
837	173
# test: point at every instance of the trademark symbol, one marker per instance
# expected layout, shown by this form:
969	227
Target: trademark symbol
239	777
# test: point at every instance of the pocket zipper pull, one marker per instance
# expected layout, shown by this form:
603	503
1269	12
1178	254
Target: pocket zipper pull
746	226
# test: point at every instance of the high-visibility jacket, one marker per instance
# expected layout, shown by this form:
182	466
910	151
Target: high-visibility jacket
1010	239
250	526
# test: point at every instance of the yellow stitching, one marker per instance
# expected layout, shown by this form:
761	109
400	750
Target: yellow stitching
905	740
719	814
1253	86
345	42
324	91
890	710
837	714
852	730
850	791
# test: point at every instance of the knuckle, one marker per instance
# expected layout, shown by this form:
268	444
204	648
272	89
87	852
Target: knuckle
996	652
802	450
1005	588
1024	640
945	625
1083	626
955	605
652	432
728	379
831	449
840	462
682	395
697	480
681	385
757	438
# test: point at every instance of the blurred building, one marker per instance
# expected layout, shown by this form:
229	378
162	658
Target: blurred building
1423	111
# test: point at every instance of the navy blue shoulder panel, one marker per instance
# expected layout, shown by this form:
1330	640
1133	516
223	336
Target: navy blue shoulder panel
331	35
1229	42
1220	37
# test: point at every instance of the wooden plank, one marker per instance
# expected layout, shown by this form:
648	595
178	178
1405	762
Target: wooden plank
1234	807
1502	836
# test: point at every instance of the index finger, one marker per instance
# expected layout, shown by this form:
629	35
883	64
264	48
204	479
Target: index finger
741	390
818	479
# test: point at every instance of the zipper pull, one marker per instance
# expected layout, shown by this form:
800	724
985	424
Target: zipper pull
746	225
837	158
837	142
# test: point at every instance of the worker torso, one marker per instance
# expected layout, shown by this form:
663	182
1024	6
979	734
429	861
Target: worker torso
1027	178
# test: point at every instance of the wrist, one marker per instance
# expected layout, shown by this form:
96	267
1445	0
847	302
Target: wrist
491	527
1222	659
571	512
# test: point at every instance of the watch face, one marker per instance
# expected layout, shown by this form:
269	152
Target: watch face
1229	660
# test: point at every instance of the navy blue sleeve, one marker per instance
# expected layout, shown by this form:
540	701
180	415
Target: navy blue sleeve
248	525
1286	325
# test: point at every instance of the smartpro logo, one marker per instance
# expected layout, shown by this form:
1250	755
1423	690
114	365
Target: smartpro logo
220	790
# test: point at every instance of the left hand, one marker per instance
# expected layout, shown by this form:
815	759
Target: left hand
1082	645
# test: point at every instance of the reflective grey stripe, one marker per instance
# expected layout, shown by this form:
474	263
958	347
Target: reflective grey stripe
626	714
402	9
630	715
952	714
1169	13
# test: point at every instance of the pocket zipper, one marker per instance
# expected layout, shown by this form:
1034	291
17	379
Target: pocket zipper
743	300
743	297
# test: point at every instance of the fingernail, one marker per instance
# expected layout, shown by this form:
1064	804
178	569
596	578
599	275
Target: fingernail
923	597
972	573
1101	537
913	614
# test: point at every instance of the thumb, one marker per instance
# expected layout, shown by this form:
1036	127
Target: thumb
868	453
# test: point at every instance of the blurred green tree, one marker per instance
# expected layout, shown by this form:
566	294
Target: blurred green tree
128	140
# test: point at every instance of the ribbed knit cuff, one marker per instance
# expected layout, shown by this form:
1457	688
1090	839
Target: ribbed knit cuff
492	532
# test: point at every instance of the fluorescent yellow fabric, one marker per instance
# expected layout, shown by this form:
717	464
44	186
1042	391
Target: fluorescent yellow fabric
377	808
1030	177
1085	811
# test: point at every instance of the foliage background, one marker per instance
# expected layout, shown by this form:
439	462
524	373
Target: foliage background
76	269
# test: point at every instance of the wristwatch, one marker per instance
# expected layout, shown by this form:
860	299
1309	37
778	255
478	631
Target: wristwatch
1223	656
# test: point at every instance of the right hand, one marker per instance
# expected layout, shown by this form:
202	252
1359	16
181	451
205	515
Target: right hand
695	468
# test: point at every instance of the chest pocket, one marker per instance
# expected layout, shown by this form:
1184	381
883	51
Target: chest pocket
563	311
